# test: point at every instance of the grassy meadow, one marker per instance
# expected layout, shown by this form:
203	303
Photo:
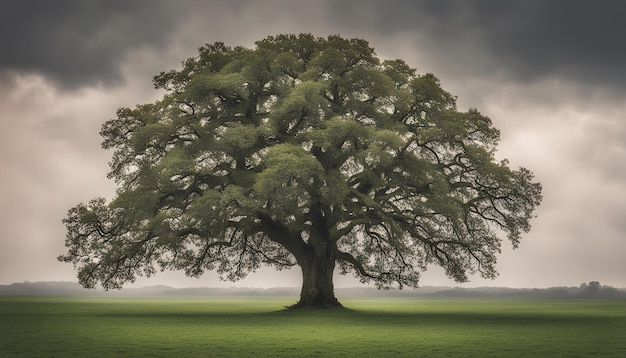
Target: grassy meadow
260	327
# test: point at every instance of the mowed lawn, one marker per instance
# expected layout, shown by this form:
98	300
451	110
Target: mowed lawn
260	327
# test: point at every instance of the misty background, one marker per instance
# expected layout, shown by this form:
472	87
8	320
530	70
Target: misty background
550	74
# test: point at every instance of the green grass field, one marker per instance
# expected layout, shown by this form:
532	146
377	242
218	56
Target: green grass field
258	327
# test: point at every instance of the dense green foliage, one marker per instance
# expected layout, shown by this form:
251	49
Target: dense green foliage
257	327
306	151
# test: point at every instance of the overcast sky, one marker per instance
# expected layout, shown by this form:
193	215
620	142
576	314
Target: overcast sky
550	74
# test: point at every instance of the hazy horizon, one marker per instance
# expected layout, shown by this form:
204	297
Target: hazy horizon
73	286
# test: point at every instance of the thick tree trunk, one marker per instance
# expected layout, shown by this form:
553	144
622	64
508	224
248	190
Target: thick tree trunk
317	282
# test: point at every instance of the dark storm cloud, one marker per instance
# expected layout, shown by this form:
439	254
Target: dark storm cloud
527	40
79	42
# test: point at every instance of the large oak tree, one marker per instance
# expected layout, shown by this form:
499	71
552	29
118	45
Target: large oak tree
302	151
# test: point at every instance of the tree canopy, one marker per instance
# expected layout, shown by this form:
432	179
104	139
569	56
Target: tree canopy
301	151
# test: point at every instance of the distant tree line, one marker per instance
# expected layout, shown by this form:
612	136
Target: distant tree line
589	290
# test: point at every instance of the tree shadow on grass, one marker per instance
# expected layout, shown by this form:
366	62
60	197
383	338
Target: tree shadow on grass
366	317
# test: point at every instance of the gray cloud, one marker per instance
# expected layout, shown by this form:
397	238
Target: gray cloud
79	42
527	40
